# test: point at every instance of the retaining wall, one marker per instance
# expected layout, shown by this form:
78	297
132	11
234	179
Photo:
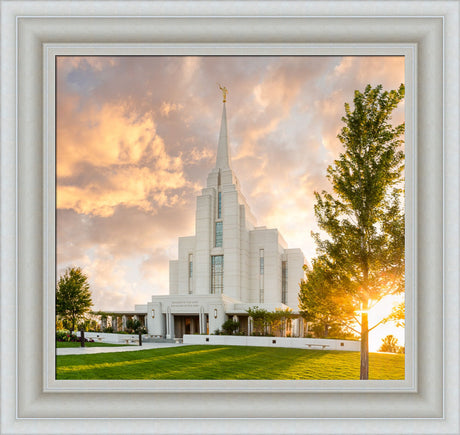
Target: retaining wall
106	337
299	343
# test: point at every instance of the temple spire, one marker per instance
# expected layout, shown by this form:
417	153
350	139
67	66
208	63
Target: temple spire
223	151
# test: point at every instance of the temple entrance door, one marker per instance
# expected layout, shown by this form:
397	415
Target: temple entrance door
187	324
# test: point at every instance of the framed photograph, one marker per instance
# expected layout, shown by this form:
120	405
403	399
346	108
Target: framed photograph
37	46
146	153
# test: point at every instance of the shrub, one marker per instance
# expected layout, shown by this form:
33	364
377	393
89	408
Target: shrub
66	336
229	327
62	335
133	325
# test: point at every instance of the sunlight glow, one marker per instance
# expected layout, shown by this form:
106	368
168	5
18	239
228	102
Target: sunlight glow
380	310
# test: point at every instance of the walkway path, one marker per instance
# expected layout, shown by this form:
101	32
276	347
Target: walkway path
102	349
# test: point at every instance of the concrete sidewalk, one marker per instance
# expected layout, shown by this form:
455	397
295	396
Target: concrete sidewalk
91	350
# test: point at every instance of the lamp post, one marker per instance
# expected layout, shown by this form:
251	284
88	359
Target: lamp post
82	338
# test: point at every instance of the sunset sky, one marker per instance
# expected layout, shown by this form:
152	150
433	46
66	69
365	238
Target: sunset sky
137	136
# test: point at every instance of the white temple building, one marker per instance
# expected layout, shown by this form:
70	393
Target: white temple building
229	265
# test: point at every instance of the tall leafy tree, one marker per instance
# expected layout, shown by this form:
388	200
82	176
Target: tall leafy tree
362	219
73	297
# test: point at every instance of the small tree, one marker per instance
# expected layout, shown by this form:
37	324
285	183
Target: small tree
279	320
73	298
389	344
229	327
269	322
133	325
260	319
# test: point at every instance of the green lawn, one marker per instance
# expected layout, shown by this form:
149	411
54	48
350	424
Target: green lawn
227	362
87	344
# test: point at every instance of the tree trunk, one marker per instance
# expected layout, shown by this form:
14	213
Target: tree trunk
364	370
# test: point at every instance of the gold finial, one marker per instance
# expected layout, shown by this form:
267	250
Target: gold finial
224	92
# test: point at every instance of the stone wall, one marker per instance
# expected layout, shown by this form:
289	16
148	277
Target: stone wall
299	343
105	337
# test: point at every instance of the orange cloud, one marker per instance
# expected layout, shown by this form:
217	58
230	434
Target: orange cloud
166	108
114	142
101	136
126	186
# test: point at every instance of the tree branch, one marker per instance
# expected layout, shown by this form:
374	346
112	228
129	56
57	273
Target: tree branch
349	327
375	326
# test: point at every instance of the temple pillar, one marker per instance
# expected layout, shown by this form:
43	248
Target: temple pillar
169	325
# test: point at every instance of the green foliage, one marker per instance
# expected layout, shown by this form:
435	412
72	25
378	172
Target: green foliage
362	256
66	336
269	323
87	325
226	362
364	218
260	318
389	344
397	315
326	307
73	298
280	321
230	327
332	331
135	326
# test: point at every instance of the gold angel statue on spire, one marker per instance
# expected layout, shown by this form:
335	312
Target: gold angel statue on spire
224	92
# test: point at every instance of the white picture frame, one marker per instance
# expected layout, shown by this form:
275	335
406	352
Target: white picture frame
34	32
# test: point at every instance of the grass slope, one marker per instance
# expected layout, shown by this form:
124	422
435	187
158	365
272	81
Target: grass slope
60	344
227	362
